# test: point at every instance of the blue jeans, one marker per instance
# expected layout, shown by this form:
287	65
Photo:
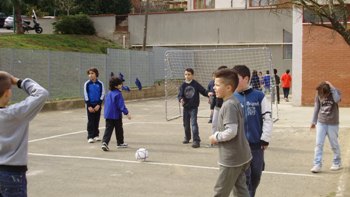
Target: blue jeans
323	130
253	174
13	184
190	120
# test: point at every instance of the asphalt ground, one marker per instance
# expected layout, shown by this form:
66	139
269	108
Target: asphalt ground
62	163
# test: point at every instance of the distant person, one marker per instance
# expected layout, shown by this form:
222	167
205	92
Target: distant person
326	121
257	125
93	95
189	98
212	99
113	113
278	82
261	79
14	124
234	151
267	82
255	81
286	83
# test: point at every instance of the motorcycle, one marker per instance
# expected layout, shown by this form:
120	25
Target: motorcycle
36	27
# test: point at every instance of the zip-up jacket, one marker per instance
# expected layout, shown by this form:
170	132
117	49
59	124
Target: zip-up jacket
14	123
257	117
94	93
114	105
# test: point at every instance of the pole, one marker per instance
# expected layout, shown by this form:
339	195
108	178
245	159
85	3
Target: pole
145	27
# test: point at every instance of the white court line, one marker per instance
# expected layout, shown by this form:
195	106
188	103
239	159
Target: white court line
159	164
78	132
343	177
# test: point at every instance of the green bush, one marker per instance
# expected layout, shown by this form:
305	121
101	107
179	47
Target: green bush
76	24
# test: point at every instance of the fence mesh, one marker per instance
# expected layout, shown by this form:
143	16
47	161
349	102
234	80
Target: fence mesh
63	74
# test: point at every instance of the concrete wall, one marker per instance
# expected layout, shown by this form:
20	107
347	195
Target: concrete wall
260	26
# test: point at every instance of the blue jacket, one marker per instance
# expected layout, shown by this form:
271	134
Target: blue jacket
94	93
114	105
257	117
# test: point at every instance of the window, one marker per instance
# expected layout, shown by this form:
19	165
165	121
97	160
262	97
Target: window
204	4
287	46
261	3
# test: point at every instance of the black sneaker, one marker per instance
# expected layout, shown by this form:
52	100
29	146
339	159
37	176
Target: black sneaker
185	141
104	146
196	145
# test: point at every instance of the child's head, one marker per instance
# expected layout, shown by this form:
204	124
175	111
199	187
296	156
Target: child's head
189	74
5	87
92	73
226	81
274	71
323	90
287	71
115	83
244	77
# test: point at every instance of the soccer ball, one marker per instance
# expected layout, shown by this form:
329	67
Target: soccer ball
141	154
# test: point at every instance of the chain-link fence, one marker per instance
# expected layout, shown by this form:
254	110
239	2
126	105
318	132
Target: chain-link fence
64	73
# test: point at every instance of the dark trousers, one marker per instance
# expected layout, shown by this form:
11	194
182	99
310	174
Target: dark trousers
13	184
253	174
190	120
116	124
93	123
278	93
285	92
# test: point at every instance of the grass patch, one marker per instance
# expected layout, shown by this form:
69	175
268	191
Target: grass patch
57	42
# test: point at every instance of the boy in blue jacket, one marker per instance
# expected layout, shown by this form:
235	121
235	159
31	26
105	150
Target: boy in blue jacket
257	124
113	113
93	95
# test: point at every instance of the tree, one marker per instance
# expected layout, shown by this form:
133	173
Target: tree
332	14
66	5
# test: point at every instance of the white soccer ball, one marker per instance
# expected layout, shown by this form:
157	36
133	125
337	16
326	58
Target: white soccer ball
141	154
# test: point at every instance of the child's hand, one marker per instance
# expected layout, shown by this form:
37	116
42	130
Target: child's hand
97	107
212	139
312	126
91	110
129	117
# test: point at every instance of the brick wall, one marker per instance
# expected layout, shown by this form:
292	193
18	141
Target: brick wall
326	56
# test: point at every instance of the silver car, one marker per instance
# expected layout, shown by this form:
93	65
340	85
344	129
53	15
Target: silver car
8	24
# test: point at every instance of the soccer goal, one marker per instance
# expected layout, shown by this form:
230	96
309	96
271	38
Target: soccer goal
204	63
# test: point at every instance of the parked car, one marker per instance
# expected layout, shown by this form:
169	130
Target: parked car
2	19
9	21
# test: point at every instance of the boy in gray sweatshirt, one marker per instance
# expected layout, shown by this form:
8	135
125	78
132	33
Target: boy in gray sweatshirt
14	123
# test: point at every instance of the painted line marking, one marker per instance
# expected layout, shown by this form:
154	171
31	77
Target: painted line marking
83	131
158	164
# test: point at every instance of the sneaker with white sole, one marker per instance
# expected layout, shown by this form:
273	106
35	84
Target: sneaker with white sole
315	169
90	140
97	139
335	167
104	146
124	145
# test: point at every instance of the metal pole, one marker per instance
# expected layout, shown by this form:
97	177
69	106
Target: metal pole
145	26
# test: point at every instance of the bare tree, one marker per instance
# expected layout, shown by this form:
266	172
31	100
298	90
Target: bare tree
332	14
66	5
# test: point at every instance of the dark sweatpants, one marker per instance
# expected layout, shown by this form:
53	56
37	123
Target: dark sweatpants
93	123
116	124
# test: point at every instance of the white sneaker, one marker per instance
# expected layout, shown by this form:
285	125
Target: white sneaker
124	145
315	169
335	167
90	140
97	139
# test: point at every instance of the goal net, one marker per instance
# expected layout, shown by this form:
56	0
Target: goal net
204	63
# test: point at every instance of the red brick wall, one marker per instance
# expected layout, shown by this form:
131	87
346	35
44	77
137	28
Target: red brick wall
326	56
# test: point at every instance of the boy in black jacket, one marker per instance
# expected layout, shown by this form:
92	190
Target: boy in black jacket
189	98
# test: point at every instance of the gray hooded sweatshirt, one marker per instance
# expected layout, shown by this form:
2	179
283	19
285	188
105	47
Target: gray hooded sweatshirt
14	123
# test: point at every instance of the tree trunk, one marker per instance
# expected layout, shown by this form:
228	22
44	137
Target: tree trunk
17	7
